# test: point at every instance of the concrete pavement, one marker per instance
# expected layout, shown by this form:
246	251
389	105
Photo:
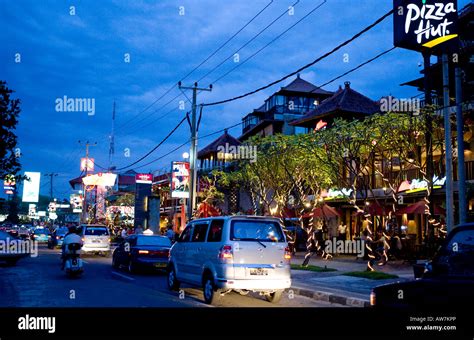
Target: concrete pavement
335	287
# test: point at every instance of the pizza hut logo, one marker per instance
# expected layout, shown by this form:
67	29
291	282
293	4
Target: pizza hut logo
429	21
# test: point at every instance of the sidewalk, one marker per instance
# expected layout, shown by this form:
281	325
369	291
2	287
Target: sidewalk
337	288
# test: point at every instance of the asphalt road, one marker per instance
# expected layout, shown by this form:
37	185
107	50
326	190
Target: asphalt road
39	282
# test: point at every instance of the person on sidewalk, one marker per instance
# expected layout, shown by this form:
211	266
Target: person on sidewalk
342	229
139	229
170	233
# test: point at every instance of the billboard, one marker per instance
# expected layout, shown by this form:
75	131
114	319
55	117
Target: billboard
31	187
9	184
87	164
144	178
429	25
76	202
180	180
104	179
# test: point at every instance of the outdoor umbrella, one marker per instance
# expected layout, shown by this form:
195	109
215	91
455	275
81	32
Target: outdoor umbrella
374	209
419	208
323	211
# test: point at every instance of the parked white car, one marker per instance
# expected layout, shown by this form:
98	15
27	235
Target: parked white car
240	253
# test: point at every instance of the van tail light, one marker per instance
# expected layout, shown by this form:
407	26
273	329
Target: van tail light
83	239
226	252
373	298
143	252
287	253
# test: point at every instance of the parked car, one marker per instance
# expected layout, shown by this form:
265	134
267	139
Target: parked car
142	251
41	234
95	238
56	238
10	258
12	230
24	233
448	279
240	253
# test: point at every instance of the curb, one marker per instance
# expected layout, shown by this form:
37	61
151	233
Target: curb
329	297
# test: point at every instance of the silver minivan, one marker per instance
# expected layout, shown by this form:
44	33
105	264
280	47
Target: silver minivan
95	238
232	253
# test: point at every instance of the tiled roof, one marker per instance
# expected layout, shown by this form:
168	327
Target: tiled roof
345	100
221	141
301	85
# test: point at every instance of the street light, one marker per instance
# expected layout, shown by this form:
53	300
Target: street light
185	155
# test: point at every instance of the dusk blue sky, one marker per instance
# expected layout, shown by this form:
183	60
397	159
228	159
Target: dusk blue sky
82	56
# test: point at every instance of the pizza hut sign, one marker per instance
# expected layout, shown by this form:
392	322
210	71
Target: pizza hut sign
425	24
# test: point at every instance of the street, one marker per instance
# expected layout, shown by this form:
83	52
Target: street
39	282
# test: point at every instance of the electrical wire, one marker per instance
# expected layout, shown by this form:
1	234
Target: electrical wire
228	40
197	67
248	42
378	21
269	43
156	147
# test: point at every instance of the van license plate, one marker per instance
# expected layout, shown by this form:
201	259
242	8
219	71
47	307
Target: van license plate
160	264
258	271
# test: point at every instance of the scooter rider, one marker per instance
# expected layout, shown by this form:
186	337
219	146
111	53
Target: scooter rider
71	237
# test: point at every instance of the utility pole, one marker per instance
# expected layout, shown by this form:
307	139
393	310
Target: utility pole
193	151
448	146
51	176
460	142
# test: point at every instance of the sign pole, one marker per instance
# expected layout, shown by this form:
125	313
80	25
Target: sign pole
460	142
448	146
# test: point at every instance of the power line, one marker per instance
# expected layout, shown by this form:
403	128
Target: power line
166	154
241	122
355	68
248	42
269	43
134	125
307	65
156	147
198	66
228	40
317	87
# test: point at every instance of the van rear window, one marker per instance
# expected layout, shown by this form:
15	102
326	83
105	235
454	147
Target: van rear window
264	231
96	231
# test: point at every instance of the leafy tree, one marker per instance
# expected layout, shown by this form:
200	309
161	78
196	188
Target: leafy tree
9	111
127	200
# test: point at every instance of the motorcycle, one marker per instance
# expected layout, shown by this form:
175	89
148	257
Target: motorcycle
73	264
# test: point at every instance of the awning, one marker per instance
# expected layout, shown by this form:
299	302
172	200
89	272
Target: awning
374	209
323	211
420	208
